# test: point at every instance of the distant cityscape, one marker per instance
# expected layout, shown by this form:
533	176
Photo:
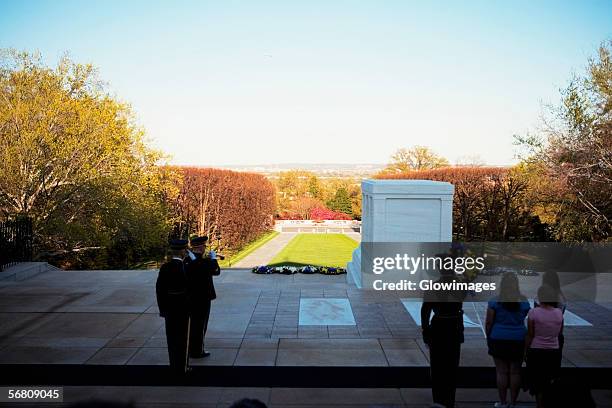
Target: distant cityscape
322	170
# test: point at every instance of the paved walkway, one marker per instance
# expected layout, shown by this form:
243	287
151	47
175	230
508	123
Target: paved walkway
264	254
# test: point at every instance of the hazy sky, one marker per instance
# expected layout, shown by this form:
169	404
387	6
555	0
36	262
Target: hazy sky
322	81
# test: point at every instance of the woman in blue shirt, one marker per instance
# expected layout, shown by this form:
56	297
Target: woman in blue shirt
506	330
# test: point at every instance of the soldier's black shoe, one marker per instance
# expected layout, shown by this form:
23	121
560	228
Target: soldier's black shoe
200	355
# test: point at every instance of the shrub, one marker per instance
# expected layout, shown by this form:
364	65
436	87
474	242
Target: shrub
323	213
489	202
232	208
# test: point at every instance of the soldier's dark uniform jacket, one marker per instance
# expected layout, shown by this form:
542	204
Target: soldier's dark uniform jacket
201	289
200	272
172	300
171	288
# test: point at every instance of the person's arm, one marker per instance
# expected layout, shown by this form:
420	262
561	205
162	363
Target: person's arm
160	293
530	332
216	269
489	321
426	309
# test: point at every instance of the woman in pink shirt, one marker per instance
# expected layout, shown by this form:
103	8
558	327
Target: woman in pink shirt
544	325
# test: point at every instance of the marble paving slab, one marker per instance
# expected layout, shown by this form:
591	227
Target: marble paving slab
413	307
325	312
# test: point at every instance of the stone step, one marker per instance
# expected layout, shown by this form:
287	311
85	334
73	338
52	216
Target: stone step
25	270
255	376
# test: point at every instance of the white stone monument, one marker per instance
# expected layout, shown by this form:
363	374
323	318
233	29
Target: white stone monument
403	211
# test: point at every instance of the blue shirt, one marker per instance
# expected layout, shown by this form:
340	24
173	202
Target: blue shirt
509	324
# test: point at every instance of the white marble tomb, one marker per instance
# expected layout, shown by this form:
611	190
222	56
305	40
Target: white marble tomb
403	211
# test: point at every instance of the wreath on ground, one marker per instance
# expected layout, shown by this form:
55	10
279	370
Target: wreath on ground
290	270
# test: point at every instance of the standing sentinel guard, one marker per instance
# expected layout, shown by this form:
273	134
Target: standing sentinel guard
171	289
200	269
443	334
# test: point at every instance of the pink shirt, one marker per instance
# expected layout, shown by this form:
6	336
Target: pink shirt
547	323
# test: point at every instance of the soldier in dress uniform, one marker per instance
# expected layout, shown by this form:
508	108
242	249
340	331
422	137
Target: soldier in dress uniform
443	334
200	269
172	300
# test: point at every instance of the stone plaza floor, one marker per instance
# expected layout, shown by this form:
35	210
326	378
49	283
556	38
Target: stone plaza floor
111	318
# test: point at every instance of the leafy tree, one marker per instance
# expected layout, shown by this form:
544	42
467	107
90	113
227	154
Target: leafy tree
415	158
302	207
314	187
490	203
72	159
573	155
291	185
341	202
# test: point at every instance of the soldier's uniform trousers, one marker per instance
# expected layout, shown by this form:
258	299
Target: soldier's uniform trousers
444	356
177	336
197	332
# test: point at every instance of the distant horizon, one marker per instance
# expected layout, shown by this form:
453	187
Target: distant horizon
315	166
280	164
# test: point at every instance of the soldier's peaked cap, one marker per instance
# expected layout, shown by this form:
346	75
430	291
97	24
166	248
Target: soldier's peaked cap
178	243
196	241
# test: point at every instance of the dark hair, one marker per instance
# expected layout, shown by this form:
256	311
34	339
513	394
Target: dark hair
551	279
548	296
248	403
509	293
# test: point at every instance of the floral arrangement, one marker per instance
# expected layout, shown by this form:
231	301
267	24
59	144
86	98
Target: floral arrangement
290	270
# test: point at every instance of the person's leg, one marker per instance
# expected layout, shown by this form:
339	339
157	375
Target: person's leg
182	339
539	399
196	336
173	341
435	372
453	368
550	365
502	370
168	327
515	381
537	374
444	359
439	360
205	324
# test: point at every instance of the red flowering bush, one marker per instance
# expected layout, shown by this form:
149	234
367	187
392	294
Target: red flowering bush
322	213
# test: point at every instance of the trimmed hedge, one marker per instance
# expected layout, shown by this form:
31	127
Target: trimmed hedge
232	208
489	202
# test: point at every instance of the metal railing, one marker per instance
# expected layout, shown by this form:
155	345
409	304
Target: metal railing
15	241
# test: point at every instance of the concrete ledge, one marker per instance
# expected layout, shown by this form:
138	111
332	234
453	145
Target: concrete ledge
25	270
258	376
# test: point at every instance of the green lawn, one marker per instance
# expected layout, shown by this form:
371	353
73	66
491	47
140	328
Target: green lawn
316	249
247	249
